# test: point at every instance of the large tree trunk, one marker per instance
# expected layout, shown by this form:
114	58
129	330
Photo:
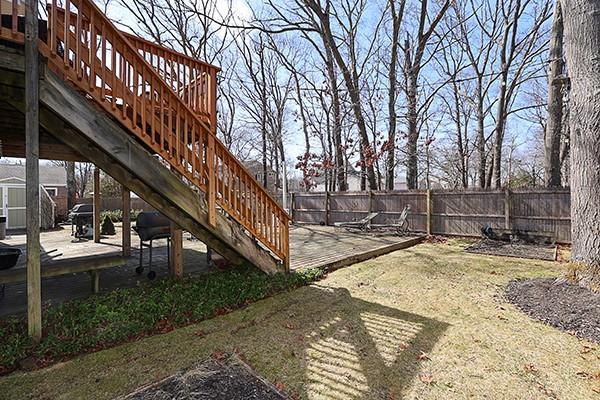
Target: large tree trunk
553	134
582	29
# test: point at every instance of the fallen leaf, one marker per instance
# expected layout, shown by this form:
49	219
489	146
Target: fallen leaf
583	374
279	386
289	325
218	355
586	349
200	333
423	356
530	368
426	379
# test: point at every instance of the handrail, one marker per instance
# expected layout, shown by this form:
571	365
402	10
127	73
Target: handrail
175	119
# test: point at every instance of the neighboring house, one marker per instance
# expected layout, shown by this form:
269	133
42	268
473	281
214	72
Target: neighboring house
352	178
53	179
256	169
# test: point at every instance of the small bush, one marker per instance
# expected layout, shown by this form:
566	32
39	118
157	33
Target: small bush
107	227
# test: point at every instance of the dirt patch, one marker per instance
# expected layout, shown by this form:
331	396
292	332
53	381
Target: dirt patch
560	304
513	249
213	379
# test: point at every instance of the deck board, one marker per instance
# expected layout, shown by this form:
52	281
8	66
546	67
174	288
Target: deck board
310	246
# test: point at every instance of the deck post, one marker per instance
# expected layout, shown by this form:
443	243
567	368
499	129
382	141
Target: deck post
507	204
429	211
95	276
126	226
97	205
32	174
176	267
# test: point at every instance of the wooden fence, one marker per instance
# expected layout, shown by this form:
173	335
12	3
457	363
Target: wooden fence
443	212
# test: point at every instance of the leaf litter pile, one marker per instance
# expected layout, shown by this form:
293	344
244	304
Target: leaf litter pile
560	304
217	378
513	249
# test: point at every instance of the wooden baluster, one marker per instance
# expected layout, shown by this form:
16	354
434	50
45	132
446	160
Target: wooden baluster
135	92
93	51
113	71
143	110
103	70
67	27
78	34
162	118
210	164
152	110
53	33
123	69
15	17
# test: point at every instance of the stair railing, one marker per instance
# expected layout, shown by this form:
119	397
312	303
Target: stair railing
167	101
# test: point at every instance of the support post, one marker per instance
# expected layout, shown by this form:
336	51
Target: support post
126	231
95	275
97	205
176	267
32	174
507	206
292	206
429	211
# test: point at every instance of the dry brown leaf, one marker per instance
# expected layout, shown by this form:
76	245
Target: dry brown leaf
426	379
530	368
279	386
423	356
218	355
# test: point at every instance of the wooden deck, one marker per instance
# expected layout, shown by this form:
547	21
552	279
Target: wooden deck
311	246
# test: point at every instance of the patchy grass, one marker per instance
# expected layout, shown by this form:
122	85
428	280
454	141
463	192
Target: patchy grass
101	321
429	322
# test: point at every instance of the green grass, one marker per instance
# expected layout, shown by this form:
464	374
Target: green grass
100	321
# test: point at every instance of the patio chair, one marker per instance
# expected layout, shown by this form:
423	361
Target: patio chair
402	224
362	224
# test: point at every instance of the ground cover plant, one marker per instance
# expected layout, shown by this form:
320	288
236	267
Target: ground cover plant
429	322
101	321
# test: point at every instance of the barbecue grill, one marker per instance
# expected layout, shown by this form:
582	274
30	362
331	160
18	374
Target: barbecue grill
151	226
82	217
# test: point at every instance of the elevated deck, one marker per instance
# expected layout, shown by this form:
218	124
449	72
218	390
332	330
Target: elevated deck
311	247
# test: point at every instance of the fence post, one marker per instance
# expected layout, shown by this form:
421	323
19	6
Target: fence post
507	209
327	209
292	205
429	210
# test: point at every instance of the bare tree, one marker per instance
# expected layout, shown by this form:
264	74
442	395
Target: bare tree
553	133
414	53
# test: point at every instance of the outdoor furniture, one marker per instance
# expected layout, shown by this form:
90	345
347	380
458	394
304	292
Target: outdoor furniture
82	218
402	224
150	226
362	224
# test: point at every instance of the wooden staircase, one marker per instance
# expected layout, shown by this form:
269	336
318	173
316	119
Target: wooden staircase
147	116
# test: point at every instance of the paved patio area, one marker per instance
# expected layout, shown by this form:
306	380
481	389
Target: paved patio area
310	246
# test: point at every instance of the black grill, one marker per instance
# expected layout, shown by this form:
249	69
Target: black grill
151	226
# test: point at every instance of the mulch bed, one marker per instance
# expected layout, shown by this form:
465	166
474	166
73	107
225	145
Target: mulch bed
563	305
514	249
213	379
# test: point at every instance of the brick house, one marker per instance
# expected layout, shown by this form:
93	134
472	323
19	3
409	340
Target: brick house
52	178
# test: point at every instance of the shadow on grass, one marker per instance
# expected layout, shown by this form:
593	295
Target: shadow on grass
351	348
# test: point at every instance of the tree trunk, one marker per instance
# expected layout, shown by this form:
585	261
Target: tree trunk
481	136
500	128
582	30
337	120
553	134
413	132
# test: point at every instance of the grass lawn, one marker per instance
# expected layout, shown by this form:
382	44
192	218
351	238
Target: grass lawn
429	322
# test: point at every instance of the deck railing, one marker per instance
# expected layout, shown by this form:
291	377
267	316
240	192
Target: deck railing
166	99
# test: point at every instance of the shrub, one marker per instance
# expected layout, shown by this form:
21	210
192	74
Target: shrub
107	227
105	320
